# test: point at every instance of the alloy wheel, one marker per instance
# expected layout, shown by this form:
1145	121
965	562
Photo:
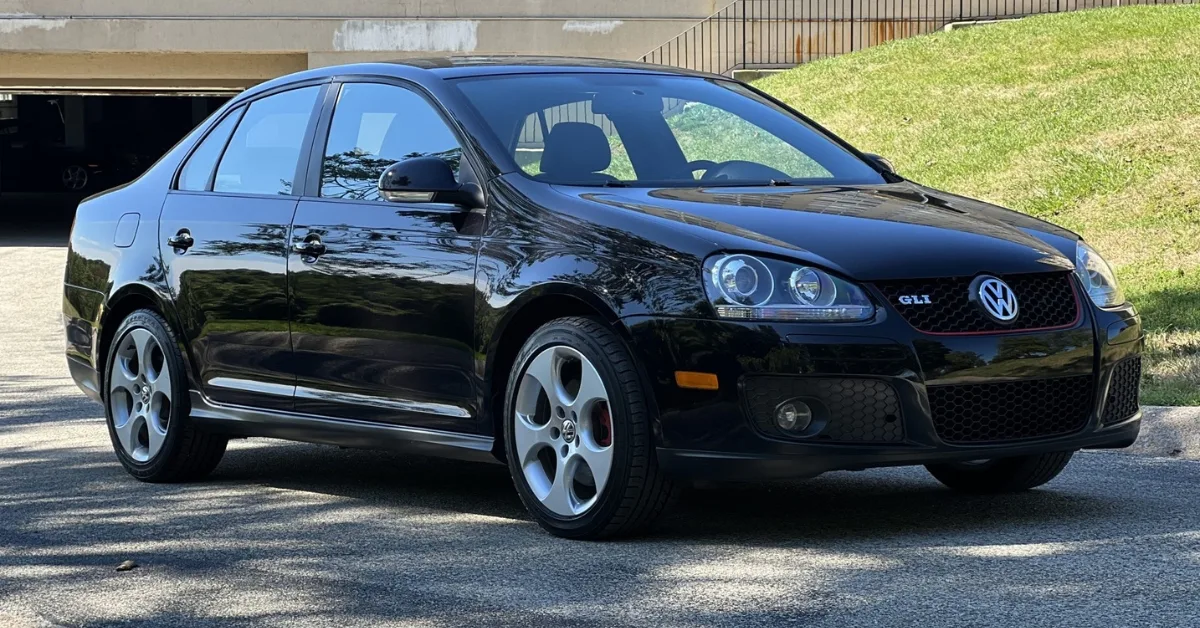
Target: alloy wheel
74	177
563	431
140	395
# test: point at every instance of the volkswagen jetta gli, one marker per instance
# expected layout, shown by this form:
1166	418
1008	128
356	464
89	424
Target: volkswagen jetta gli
608	276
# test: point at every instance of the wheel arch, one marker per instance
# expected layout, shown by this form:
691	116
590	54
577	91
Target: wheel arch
124	301
534	308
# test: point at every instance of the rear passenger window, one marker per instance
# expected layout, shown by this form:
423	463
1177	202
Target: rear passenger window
375	126
198	169
265	149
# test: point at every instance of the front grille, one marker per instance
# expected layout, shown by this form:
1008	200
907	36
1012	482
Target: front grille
988	413
1122	401
1044	300
844	409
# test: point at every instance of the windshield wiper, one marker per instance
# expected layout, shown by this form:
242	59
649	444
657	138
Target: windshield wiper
779	183
615	184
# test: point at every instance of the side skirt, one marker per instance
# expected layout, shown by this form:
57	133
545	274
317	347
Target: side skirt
242	421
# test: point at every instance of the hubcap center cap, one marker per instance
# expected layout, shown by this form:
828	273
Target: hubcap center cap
145	392
568	430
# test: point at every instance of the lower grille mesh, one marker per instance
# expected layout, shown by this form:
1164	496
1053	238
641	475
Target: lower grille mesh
855	410
987	413
1123	391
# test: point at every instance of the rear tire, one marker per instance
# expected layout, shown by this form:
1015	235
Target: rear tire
1002	475
555	430
147	406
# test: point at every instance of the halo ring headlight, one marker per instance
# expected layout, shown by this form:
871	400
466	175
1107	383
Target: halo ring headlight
741	286
809	286
1097	277
744	280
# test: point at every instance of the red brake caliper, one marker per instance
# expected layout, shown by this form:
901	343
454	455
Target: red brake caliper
604	421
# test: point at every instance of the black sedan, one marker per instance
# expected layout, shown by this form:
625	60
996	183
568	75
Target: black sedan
609	276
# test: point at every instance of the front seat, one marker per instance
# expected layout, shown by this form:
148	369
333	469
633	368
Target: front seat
576	152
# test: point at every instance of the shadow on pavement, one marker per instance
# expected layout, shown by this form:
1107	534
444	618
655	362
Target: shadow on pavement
310	534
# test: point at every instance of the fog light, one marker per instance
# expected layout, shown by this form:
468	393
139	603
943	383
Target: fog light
793	416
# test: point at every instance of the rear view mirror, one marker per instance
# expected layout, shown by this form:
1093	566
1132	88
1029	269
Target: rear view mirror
627	101
427	180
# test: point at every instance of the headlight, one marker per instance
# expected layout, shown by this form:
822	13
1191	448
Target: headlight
1097	277
752	288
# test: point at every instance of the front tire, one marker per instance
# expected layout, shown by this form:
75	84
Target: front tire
577	433
146	405
1002	475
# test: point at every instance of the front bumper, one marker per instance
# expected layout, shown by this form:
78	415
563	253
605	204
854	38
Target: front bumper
813	460
721	433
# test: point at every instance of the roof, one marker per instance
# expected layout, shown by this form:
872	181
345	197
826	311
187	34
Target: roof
484	65
452	67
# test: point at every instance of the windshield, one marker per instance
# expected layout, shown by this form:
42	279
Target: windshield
654	130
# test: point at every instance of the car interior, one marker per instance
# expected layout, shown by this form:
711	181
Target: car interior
597	130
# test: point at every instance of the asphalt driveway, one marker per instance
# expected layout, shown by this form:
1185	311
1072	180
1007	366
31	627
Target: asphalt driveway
286	534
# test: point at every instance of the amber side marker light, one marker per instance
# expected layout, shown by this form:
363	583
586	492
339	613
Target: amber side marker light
697	381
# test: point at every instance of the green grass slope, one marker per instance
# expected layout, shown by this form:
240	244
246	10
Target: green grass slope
1090	120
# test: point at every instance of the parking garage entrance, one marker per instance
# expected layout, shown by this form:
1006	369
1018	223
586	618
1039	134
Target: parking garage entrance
57	148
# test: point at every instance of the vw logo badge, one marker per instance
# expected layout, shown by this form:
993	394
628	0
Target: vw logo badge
568	430
996	298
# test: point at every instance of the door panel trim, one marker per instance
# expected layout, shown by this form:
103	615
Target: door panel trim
403	405
246	385
243	421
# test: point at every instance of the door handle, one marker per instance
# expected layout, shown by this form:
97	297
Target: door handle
181	241
310	249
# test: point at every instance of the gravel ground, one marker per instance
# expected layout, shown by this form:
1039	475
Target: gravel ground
288	534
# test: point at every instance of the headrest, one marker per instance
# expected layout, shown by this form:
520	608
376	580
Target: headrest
576	149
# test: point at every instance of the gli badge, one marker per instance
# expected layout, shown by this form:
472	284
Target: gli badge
915	299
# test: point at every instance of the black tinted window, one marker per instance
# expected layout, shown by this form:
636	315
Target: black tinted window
265	149
375	126
198	169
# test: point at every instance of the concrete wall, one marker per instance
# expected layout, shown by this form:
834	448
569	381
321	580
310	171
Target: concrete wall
784	33
368	8
232	43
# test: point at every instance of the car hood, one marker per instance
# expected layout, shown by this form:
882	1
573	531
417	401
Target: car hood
896	231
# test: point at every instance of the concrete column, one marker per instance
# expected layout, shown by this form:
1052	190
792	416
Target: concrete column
75	120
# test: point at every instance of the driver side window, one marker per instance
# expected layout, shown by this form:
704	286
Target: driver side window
707	133
375	126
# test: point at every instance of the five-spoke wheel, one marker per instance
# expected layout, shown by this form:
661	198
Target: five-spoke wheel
563	430
577	433
140	394
146	405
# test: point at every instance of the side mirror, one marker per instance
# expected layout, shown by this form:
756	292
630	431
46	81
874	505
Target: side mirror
880	162
427	180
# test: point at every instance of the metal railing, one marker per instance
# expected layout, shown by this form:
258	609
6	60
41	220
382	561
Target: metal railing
785	33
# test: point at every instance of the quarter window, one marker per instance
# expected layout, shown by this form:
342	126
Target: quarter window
199	167
265	150
375	126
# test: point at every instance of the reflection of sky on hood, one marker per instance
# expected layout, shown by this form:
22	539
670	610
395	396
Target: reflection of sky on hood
886	204
898	206
688	219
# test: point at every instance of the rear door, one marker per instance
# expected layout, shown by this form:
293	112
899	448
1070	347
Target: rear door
224	238
382	317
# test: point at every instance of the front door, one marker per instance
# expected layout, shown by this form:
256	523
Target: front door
383	293
224	238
